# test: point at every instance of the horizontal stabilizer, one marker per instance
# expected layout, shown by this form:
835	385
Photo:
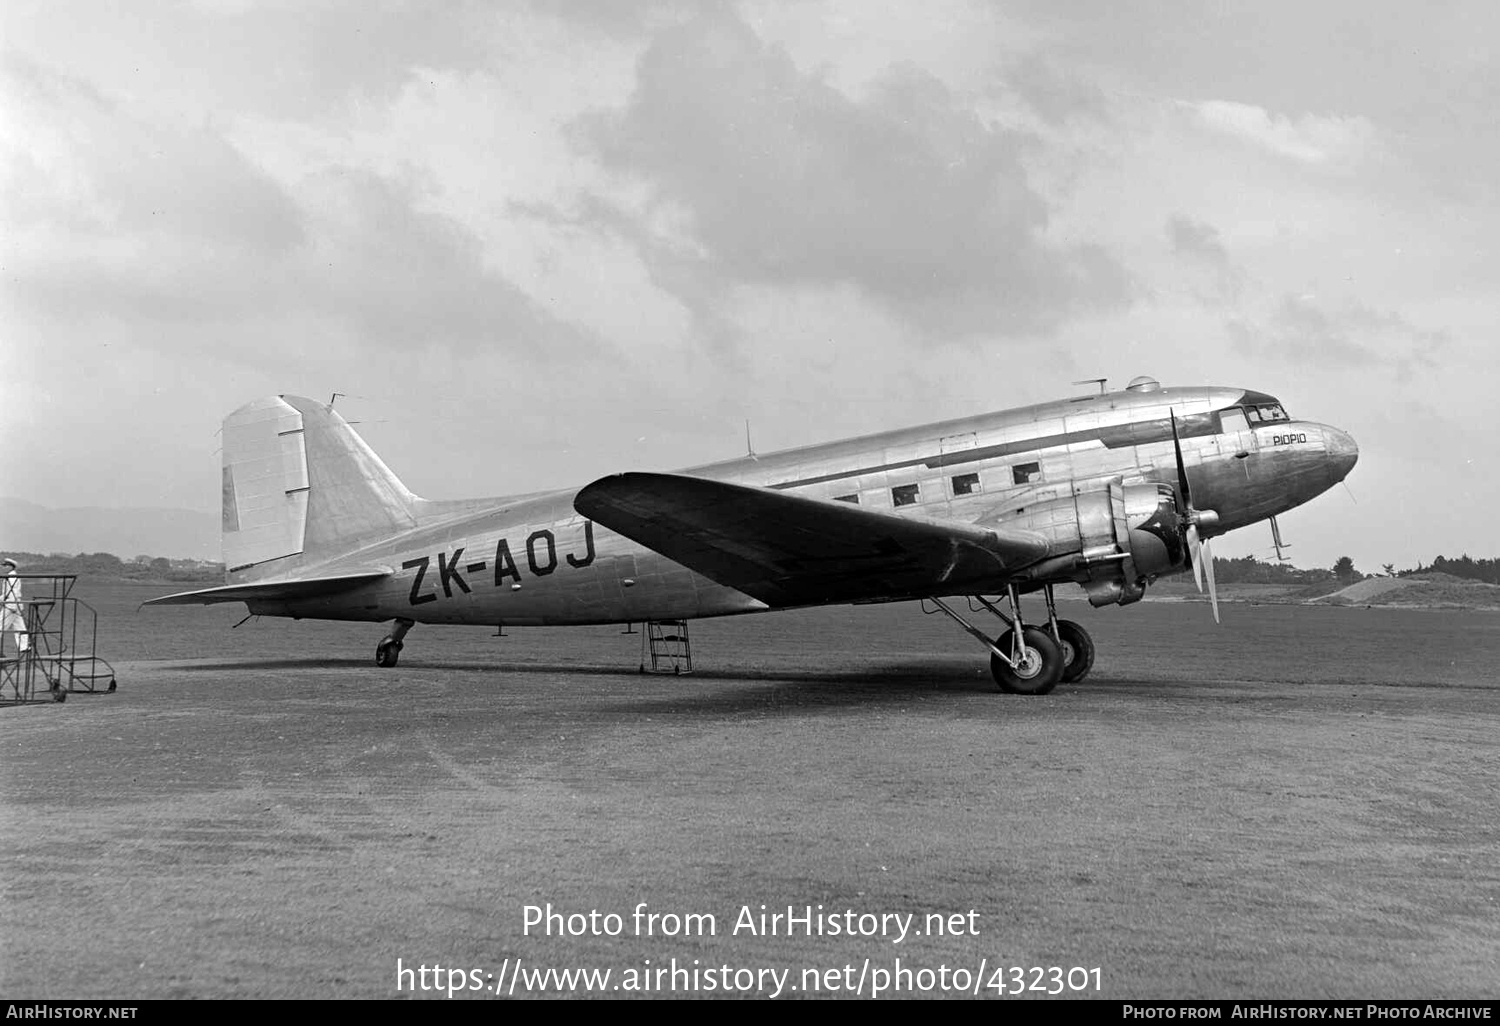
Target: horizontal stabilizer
791	550
299	588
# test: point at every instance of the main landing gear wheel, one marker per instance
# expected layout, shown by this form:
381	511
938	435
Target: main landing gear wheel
1040	666
389	649
1077	650
387	652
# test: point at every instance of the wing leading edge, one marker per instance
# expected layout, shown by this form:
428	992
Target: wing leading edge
788	550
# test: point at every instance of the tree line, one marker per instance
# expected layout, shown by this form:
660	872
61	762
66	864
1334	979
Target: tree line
105	564
1250	570
1486	570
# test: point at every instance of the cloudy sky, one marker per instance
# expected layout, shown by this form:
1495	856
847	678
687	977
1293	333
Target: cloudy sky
533	243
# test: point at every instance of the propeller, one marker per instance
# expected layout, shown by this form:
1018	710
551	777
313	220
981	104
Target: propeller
1198	547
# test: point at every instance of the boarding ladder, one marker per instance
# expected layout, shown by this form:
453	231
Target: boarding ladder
665	646
63	632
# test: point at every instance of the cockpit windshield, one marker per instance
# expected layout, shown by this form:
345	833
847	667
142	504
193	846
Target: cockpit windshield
1260	408
1265	413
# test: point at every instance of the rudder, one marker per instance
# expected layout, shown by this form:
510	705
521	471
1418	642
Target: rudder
300	486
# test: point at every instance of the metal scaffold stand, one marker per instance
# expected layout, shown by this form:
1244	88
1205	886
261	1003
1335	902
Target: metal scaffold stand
62	632
665	644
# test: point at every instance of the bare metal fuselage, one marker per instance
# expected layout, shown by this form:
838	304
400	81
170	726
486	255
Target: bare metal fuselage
534	560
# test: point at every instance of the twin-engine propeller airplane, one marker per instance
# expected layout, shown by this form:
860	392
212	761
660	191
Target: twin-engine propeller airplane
1107	491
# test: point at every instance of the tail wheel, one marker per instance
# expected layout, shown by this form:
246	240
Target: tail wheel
1039	668
1077	650
387	652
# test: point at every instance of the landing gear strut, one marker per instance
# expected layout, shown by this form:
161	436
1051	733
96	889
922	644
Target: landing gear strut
389	649
1076	644
1024	660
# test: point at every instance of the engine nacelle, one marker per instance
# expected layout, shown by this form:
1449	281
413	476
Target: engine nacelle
1110	540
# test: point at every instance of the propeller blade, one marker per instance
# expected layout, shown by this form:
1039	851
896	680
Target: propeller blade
1182	481
1208	567
1195	551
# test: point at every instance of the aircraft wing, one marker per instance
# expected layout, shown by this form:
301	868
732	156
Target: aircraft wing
791	550
299	588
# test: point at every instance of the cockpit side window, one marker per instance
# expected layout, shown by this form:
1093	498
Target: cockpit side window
1233	420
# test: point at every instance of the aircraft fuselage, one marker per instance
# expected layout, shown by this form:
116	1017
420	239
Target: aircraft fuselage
534	560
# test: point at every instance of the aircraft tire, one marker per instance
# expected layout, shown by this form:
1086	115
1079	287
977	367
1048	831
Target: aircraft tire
1040	672
1078	651
387	652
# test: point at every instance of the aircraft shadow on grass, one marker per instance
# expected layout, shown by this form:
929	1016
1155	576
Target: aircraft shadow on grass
888	684
957	678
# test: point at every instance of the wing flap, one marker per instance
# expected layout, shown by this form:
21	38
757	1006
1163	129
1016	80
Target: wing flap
299	588
791	550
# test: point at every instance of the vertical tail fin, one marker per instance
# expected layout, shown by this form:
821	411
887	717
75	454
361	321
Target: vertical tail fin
300	487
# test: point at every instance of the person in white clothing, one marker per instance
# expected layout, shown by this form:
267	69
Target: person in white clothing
12	606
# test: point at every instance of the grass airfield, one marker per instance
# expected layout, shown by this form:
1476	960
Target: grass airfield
1298	804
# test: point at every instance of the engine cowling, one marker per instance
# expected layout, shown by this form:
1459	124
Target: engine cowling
1111	540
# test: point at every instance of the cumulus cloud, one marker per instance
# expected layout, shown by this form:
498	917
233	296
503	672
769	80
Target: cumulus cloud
400	275
73	156
1315	139
1355	336
289	59
781	179
1199	244
174	233
1056	95
1196	239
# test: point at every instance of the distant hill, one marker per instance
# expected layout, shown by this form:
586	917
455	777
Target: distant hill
130	532
1428	590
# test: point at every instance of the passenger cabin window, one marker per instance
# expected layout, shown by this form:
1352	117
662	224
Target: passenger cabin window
966	484
1022	473
904	495
847	498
